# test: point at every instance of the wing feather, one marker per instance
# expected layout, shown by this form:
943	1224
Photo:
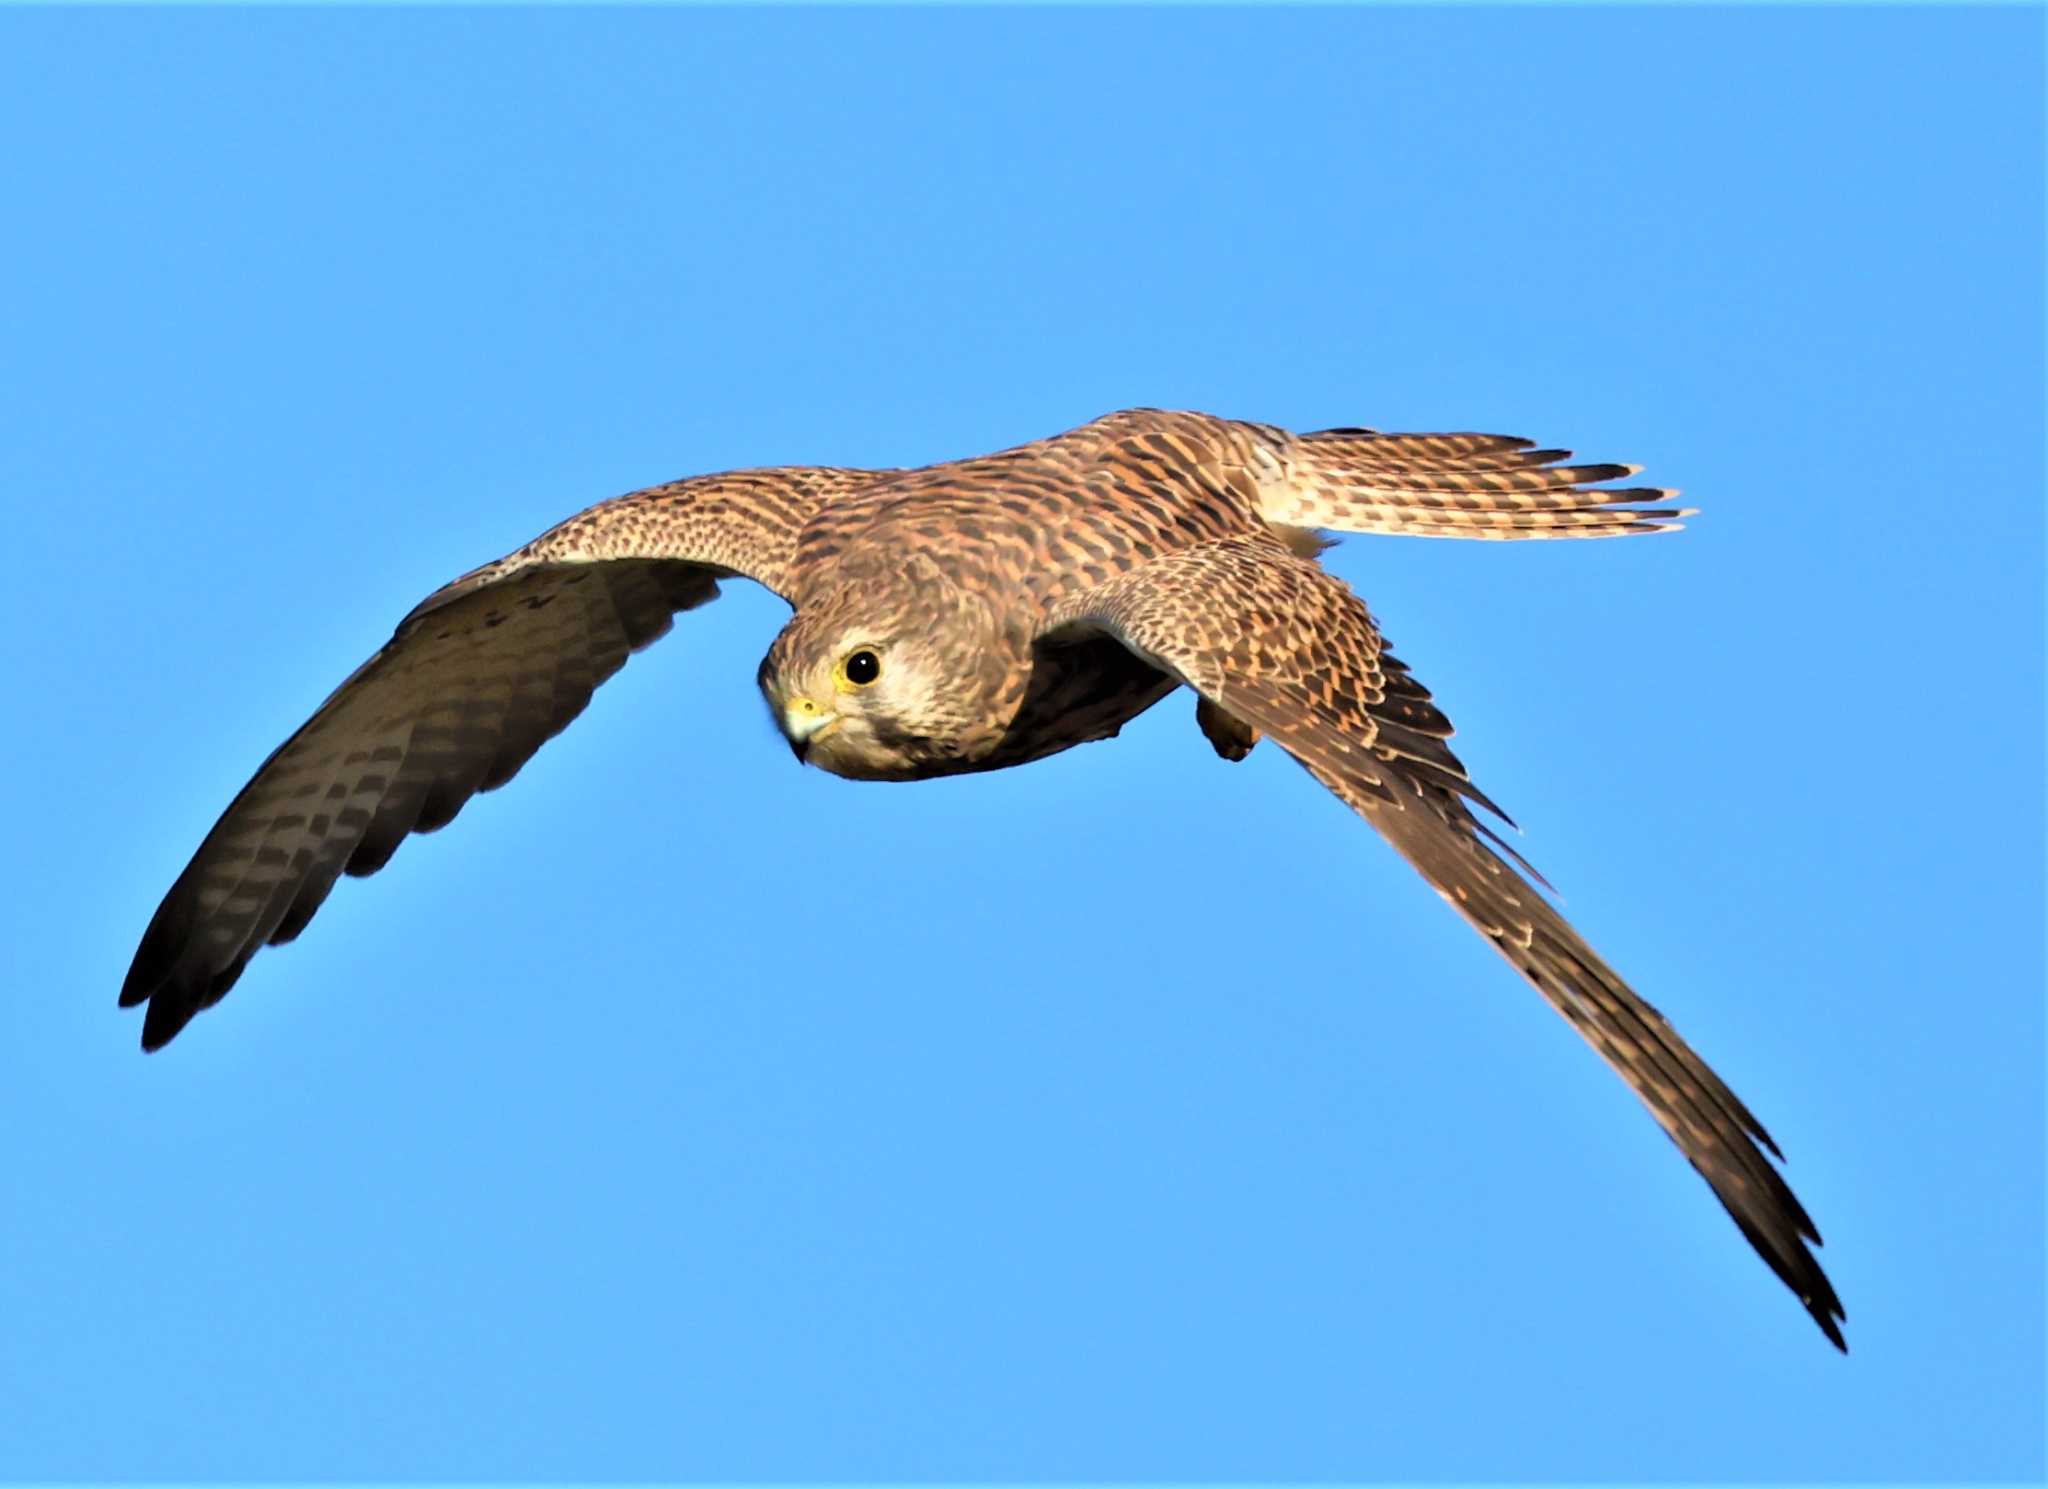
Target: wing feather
1277	642
473	682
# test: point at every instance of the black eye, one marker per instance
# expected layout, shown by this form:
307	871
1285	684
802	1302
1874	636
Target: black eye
863	667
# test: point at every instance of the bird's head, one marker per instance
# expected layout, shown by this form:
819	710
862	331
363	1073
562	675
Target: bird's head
896	677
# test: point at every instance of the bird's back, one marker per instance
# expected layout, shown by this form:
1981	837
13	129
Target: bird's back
1039	522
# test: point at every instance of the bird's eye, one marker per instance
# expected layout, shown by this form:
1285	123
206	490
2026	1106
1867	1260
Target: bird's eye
861	667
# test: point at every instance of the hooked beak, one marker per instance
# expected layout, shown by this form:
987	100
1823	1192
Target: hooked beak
803	721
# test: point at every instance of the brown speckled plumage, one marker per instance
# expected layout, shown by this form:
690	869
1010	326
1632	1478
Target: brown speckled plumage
974	615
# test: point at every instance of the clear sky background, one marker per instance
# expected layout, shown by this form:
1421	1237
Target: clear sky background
679	1113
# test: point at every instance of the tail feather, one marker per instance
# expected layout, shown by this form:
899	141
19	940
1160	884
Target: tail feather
1459	486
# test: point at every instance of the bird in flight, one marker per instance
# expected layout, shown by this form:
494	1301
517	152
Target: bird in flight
974	615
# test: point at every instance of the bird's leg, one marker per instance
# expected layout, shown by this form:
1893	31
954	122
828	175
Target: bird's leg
1232	736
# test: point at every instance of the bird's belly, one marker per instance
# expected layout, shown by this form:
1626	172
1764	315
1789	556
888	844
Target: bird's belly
1076	694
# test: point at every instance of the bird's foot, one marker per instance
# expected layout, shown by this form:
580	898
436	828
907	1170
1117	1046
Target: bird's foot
1232	736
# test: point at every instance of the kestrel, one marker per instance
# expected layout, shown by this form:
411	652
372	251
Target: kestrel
974	615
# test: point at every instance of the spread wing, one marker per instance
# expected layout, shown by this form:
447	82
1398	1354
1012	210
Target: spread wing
475	680
1276	642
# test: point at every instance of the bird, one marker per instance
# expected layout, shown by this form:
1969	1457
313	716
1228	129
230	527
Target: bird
979	614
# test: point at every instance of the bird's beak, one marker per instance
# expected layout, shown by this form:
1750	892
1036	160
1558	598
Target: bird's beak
804	721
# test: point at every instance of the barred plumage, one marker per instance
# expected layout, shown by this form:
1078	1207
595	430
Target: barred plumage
1460	486
974	615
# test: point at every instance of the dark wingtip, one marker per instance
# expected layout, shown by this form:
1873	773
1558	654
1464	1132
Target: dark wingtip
150	980
1828	1325
152	964
1756	1130
163	1021
1822	1304
1799	1269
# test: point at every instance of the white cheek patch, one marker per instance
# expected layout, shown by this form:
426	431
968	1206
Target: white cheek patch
905	688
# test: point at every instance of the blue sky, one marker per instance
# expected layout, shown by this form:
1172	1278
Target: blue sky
681	1114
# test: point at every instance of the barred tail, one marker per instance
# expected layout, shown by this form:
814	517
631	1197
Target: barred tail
1458	486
